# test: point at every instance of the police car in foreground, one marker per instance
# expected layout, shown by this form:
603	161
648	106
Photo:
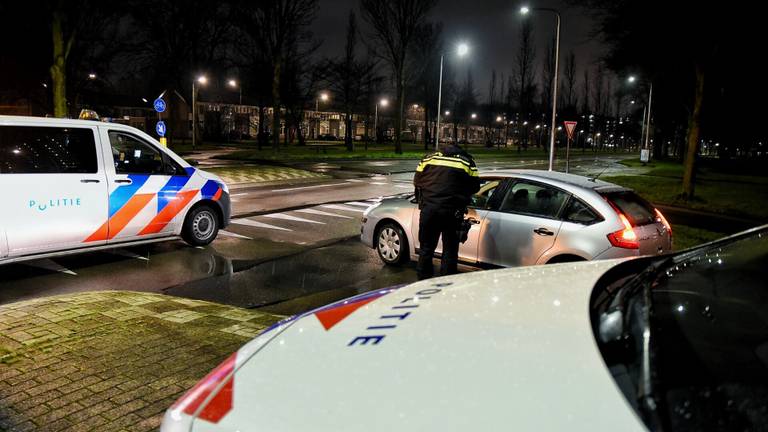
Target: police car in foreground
76	185
526	217
677	342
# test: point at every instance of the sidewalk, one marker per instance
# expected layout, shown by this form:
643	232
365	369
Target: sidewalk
110	360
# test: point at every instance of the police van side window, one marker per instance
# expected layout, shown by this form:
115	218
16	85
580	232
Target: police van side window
47	150
132	156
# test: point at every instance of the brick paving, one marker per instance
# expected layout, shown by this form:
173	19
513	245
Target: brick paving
110	360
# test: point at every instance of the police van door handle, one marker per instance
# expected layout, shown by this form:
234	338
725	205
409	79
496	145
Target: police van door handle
127	181
543	232
89	181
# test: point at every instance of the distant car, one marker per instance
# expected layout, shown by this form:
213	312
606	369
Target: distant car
526	217
77	185
676	342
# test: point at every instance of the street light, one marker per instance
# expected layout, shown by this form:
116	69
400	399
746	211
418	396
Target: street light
474	116
383	102
323	96
461	50
646	128
203	80
524	11
232	83
91	76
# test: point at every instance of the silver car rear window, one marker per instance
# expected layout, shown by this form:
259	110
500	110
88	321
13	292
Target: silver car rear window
637	210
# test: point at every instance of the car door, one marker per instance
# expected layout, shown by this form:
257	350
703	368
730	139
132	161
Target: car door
145	188
523	225
476	213
55	186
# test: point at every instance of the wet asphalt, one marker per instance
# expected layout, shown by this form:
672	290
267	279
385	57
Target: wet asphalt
290	248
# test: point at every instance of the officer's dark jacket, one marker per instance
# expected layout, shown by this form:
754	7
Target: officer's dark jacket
446	179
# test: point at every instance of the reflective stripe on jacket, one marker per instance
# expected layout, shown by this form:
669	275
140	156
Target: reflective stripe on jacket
446	179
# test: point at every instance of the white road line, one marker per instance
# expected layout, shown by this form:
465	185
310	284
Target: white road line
291	218
339	207
354	181
240	194
51	265
308	187
125	253
358	203
321	213
235	235
253	223
379	183
404	186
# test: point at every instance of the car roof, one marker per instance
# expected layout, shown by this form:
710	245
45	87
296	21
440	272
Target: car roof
64	122
557	178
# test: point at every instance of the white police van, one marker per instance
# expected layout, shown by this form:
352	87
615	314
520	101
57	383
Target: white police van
75	185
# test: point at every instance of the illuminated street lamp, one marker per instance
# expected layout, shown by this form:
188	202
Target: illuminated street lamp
383	102
91	76
323	96
202	80
233	84
524	11
461	50
646	128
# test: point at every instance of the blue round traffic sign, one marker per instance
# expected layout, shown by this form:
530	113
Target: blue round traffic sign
159	105
160	128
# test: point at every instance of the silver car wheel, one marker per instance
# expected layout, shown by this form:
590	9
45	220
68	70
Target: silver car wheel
389	244
203	225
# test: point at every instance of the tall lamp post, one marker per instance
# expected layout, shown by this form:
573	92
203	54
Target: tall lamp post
524	11
647	112
383	102
461	51
233	84
321	97
202	79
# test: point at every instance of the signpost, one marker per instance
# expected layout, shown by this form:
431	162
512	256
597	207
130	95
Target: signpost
160	128
159	105
570	127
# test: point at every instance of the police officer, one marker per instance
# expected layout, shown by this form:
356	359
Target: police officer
445	182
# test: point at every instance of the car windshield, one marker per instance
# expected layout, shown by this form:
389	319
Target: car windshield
708	358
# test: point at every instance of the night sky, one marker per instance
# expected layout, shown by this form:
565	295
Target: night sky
491	27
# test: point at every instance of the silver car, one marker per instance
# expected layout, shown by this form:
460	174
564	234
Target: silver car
527	217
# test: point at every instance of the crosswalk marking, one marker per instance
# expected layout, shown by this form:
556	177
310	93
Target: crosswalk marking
322	213
51	265
235	235
307	187
292	218
378	183
358	203
354	181
340	207
256	224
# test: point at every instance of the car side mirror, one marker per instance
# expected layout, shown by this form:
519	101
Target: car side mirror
611	326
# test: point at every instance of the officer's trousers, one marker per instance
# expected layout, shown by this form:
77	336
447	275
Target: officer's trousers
433	223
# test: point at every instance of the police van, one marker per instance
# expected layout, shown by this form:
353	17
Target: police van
72	186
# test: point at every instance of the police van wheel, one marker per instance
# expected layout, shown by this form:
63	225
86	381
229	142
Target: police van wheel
201	226
392	244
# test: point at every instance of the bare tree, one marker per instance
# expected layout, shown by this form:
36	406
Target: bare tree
569	84
428	41
586	93
523	73
350	79
395	24
598	93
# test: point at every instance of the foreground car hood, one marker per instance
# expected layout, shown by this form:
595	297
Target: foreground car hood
511	349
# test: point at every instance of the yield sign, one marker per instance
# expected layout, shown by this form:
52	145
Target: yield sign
570	126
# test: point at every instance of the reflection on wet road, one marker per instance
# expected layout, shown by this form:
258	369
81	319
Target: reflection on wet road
283	285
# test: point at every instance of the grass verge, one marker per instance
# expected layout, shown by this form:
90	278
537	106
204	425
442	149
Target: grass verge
685	237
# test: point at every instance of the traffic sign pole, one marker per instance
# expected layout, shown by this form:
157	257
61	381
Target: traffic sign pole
570	126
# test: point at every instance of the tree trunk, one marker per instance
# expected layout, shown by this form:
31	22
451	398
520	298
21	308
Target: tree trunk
276	105
59	67
348	130
399	115
692	148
